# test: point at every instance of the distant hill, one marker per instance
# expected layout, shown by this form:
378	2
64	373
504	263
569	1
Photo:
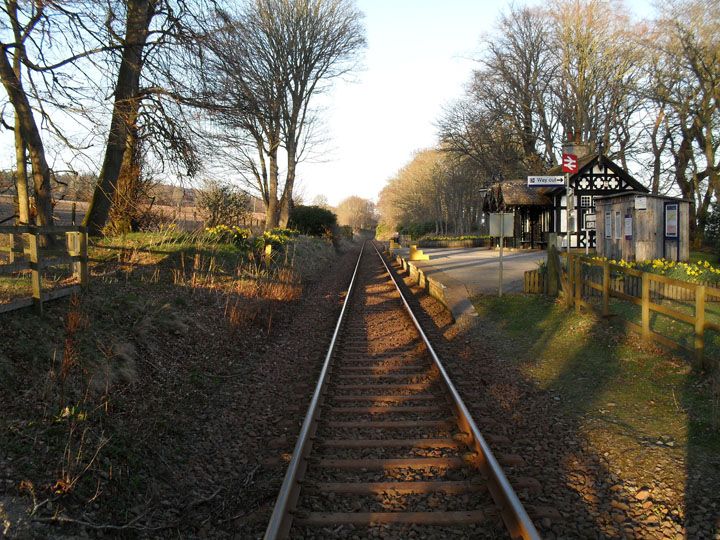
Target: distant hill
70	187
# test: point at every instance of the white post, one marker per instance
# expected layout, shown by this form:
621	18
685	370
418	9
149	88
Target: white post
567	211
502	243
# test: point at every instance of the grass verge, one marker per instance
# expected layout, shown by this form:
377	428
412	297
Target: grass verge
598	371
118	403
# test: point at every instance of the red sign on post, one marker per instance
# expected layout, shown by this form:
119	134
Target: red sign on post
569	163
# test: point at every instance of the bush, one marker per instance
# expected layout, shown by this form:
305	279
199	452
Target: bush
416	230
433	238
222	204
235	235
313	220
712	228
278	236
384	232
344	231
697	272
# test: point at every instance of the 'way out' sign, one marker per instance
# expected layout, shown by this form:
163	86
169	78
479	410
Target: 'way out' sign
543	181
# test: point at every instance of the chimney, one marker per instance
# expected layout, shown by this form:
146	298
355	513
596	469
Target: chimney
577	147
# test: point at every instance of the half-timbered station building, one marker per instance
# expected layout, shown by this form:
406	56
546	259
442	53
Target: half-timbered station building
540	211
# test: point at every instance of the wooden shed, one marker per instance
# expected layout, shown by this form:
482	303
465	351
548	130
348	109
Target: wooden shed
637	226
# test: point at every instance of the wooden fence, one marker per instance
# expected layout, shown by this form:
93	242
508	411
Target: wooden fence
535	282
590	280
38	248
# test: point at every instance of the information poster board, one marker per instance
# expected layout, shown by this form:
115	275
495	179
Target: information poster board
590	222
618	226
628	227
671	220
501	224
608	224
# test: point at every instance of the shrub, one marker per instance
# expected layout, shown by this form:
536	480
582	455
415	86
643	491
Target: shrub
229	235
416	230
278	236
698	272
712	228
383	232
344	231
313	220
222	204
434	238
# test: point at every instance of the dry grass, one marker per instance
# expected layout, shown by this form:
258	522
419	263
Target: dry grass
119	398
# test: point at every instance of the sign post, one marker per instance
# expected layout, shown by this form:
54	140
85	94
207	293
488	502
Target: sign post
501	225
568	209
569	166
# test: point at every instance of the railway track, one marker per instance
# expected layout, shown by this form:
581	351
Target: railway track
387	448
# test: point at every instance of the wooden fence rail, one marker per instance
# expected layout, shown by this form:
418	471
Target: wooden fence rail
593	279
29	248
535	282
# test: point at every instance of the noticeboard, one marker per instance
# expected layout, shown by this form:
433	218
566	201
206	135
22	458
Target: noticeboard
672	211
628	227
590	222
608	224
502	224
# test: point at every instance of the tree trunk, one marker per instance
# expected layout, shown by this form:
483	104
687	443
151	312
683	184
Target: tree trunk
681	160
31	135
286	201
21	181
657	150
125	108
124	210
272	210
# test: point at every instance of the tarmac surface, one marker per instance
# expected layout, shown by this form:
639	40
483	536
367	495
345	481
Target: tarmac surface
468	272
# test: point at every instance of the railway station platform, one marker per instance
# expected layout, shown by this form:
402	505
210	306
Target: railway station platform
467	272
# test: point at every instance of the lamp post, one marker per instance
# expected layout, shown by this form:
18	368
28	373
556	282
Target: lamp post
497	226
483	193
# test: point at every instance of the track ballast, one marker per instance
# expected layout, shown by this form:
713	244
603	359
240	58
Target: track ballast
388	449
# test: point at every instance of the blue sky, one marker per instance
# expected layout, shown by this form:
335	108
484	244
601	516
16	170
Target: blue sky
418	58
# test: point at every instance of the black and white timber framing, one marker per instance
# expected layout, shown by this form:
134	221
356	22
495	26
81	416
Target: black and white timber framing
597	175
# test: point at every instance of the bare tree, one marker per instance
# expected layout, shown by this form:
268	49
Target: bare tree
684	75
321	201
517	71
598	62
505	123
437	191
122	138
26	129
356	212
274	56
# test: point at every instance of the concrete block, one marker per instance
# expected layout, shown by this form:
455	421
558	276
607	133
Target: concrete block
417	254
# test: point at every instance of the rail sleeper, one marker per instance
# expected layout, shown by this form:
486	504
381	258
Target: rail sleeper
390	443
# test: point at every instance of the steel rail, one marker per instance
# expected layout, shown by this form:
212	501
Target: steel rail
281	518
512	511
